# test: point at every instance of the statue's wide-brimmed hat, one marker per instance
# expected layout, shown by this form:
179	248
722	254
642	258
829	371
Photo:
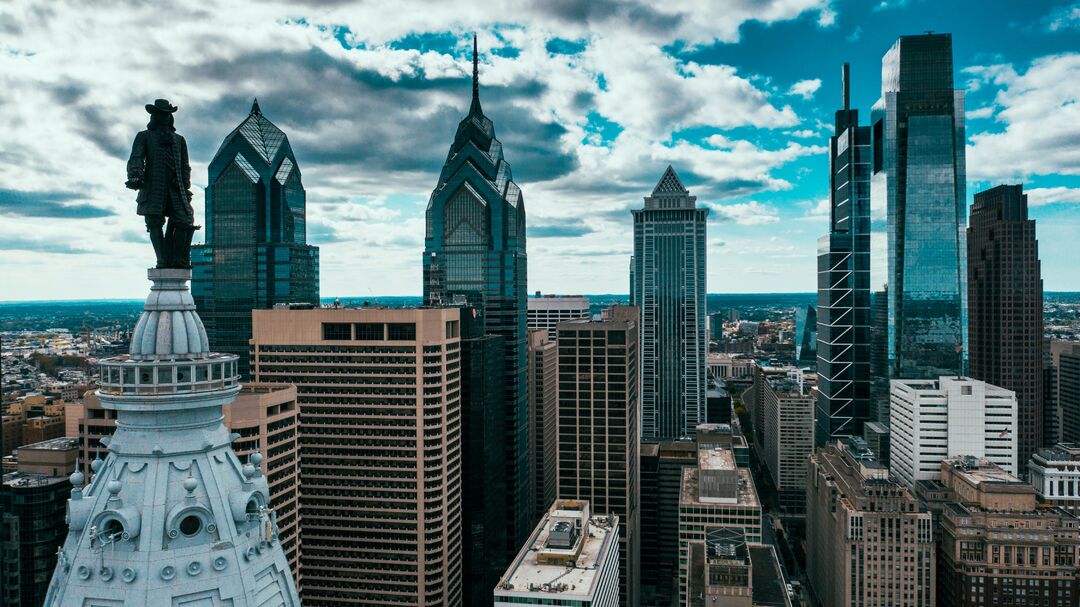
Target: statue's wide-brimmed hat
160	106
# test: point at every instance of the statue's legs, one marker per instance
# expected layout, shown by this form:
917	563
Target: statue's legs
178	243
154	224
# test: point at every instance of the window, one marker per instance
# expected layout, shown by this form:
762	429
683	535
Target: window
370	331
401	331
336	331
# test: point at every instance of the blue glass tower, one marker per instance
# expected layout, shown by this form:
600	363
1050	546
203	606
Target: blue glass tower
474	253
256	252
843	310
918	166
669	288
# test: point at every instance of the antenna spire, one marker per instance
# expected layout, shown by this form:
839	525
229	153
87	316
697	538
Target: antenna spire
475	109
255	107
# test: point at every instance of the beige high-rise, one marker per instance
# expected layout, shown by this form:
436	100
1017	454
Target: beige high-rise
543	408
266	418
869	541
380	442
598	428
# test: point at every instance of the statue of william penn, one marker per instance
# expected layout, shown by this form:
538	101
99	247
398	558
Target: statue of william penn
159	170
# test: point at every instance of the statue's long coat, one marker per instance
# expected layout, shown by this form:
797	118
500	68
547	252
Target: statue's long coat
152	165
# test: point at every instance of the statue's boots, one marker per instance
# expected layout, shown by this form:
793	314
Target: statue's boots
178	237
158	240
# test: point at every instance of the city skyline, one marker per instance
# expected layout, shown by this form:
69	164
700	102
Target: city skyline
737	121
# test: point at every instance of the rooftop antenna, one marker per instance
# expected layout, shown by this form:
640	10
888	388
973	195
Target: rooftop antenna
845	78
475	78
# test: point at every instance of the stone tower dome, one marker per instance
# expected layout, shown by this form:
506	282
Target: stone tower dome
171	516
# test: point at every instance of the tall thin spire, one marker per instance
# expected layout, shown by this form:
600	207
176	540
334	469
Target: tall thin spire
475	108
255	106
845	76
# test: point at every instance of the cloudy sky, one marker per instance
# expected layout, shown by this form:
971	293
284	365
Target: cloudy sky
592	101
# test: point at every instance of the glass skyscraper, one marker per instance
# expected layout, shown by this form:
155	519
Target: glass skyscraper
843	310
256	252
474	253
669	288
918	166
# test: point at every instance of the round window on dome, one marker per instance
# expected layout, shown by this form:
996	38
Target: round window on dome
190	525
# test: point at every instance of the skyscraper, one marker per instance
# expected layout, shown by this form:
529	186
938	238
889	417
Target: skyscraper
256	252
1005	307
843	310
379	392
669	289
598	428
919	173
474	250
543	413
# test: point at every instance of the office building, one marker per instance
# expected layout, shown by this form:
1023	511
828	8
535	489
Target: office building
716	325
483	520
547	311
714	493
256	253
474	252
787	419
843	282
571	558
876	435
1005	307
1067	361
1055	474
932	420
806	336
725	366
379	392
998	547
869	541
266	418
919	178
598	428
33	503
726	571
669	289
662	464
171	515
1051	411
543	413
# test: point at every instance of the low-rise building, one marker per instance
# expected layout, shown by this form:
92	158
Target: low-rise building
726	571
1055	474
571	558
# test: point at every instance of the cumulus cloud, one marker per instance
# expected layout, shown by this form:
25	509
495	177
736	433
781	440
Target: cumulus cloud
805	88
1040	116
745	213
1038	197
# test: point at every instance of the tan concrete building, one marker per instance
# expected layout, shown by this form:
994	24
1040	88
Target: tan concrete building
543	412
266	418
715	493
598	431
998	546
380	443
787	420
726	571
869	542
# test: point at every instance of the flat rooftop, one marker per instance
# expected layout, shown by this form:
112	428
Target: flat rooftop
53	444
528	575
978	471
716	458
746	494
769	586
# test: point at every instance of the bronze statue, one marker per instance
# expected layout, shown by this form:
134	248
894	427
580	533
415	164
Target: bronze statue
159	170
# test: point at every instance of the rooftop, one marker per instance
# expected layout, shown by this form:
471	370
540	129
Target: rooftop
981	470
54	444
745	495
770	588
24	480
564	553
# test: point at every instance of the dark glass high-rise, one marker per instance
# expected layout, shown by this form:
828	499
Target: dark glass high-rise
843	310
256	253
1005	307
919	178
474	253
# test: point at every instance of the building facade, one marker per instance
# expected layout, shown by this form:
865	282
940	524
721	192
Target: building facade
669	289
714	493
662	464
1055	474
543	417
547	311
932	420
787	419
869	541
256	252
984	561
1067	362
474	252
1005	307
843	282
726	571
379	392
918	176
571	558
598	428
